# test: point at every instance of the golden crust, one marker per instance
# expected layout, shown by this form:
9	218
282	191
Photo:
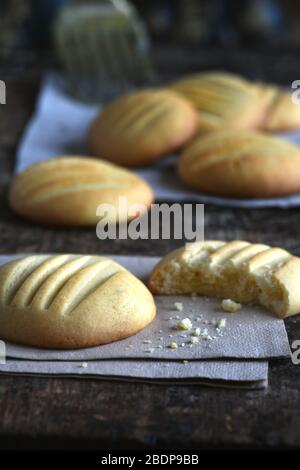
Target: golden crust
282	113
241	271
222	100
241	164
71	301
225	100
140	128
67	190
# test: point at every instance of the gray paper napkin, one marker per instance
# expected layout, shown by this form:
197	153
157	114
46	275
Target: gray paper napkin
251	333
251	374
59	128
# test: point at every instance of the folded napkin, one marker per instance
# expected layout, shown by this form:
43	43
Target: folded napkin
59	127
244	374
246	338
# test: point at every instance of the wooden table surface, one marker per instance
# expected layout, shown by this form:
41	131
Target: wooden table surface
75	413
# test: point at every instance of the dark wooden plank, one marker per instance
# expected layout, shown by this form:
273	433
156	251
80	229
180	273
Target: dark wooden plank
70	412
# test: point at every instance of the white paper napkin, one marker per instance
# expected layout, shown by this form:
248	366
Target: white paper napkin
243	374
59	127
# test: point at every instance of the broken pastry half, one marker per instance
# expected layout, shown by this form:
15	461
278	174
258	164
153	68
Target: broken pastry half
245	272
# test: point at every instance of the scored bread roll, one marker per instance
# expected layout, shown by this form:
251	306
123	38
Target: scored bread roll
282	114
241	164
71	301
140	128
223	100
68	190
244	272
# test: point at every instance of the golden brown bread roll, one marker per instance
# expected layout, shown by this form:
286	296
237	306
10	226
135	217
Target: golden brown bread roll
223	100
71	301
244	164
67	190
140	128
282	114
245	272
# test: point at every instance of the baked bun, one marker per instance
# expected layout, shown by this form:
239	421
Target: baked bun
140	128
67	191
71	301
244	272
244	164
222	100
282	114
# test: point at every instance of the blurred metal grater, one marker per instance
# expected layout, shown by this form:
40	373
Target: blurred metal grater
104	49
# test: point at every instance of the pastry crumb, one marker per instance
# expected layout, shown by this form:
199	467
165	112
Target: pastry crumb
84	365
184	324
194	340
221	323
178	306
173	346
231	306
197	332
207	337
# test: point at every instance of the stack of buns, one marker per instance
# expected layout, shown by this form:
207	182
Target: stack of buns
220	125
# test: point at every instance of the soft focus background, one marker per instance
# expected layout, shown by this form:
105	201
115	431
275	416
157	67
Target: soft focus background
156	41
227	23
184	34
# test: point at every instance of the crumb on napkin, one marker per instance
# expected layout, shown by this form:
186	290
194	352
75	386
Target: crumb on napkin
231	306
184	324
178	306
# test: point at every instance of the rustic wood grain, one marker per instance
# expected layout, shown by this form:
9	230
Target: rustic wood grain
75	413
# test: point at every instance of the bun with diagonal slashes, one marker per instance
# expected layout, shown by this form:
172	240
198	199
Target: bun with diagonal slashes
140	128
68	190
244	164
229	101
223	100
71	301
